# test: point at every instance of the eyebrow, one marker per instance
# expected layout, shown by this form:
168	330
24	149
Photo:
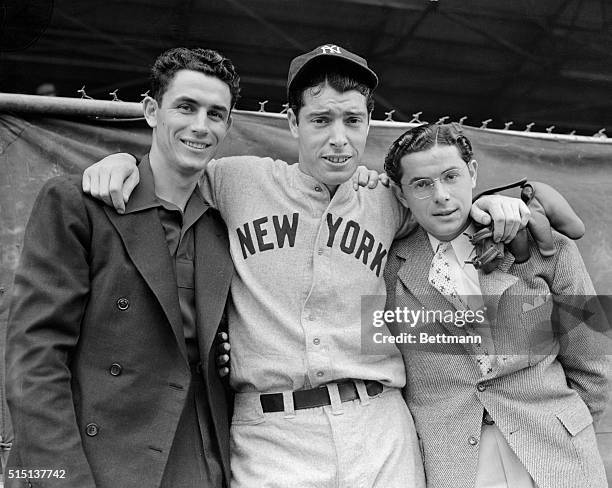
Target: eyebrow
184	98
318	112
350	113
417	178
357	112
220	108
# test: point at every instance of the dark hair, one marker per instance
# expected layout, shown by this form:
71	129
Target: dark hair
341	80
422	138
205	61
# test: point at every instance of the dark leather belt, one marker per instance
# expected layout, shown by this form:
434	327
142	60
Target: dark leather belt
317	397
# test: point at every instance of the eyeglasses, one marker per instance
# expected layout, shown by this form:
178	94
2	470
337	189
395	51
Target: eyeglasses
424	188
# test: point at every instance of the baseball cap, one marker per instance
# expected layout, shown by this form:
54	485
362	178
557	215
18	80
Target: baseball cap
331	52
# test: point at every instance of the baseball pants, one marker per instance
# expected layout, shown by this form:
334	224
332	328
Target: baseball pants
370	442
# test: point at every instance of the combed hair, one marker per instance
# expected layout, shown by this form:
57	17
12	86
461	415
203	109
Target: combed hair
206	61
422	138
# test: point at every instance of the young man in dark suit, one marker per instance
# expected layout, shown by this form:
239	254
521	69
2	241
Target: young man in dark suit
110	377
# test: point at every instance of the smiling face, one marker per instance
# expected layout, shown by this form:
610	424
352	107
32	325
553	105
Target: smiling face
190	122
446	211
331	131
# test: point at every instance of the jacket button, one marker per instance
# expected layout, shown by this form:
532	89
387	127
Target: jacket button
92	429
481	387
473	441
123	303
115	369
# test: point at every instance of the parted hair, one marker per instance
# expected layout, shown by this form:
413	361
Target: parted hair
206	61
422	138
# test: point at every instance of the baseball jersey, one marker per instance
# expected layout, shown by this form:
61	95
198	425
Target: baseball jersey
303	261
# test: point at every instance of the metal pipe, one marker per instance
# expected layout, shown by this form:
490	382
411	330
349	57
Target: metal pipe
17	103
14	102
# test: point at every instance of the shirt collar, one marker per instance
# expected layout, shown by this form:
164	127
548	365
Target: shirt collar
144	197
461	245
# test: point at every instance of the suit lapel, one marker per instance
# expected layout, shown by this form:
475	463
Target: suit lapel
213	272
417	253
145	244
494	284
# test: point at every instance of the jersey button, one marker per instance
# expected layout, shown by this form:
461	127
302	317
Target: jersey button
316	341
318	189
320	374
481	387
472	441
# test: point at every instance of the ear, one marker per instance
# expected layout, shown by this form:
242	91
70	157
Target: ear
397	191
150	108
473	168
293	123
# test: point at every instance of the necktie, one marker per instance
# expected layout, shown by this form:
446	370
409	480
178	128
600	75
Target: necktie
442	278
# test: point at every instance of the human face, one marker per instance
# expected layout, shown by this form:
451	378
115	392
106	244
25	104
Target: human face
445	213
331	131
190	122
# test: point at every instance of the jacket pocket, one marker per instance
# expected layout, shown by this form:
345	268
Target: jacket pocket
575	417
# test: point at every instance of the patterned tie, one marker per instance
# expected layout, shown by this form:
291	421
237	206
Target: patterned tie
442	279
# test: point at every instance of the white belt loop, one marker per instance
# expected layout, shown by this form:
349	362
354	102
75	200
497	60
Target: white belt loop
334	396
362	392
288	405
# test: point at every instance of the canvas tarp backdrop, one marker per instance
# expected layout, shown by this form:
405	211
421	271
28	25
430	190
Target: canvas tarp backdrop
34	148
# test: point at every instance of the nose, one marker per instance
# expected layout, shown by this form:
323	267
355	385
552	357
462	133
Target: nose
338	135
200	122
440	191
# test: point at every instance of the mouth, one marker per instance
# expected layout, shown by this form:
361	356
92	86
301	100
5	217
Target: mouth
198	146
444	213
337	158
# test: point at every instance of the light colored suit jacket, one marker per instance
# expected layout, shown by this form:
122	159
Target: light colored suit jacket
543	398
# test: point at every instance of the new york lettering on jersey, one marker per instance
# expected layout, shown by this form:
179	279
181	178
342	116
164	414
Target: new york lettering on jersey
277	231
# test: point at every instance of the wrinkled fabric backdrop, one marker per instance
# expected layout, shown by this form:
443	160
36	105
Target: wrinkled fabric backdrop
34	149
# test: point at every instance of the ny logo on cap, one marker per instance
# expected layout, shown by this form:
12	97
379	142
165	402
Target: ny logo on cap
330	49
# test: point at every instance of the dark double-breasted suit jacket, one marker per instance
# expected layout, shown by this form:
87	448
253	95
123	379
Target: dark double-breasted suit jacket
97	369
543	395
